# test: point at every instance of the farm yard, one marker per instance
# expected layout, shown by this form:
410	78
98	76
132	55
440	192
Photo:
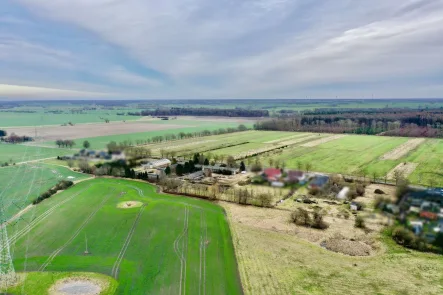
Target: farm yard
168	245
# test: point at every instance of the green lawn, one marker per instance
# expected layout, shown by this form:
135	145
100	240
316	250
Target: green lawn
21	184
161	256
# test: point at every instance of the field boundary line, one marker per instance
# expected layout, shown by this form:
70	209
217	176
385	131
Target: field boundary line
76	233
203	241
128	239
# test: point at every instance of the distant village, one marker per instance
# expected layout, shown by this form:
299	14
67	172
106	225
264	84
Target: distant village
421	210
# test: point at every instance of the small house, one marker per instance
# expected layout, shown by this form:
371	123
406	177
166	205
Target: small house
318	182
295	176
272	174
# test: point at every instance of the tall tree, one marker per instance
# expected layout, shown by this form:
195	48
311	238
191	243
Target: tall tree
86	144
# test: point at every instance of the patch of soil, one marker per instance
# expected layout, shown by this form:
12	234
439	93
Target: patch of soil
77	286
129	204
346	246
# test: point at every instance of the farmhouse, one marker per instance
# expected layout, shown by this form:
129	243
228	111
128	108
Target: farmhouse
217	168
318	182
162	163
295	176
272	174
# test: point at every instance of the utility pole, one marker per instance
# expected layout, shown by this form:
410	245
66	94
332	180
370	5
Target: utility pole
86	245
7	271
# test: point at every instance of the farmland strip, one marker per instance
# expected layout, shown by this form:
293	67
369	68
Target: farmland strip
77	232
403	150
323	140
122	253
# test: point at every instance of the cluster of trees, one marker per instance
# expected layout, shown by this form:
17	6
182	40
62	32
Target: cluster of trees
13	138
62	185
216	192
65	143
176	111
398	122
312	219
405	237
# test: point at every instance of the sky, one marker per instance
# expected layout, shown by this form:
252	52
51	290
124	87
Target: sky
202	49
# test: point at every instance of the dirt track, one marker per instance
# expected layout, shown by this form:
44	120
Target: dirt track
403	149
90	130
404	168
322	140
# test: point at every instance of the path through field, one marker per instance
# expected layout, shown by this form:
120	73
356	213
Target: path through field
403	149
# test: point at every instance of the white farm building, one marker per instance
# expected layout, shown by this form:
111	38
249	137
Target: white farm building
162	163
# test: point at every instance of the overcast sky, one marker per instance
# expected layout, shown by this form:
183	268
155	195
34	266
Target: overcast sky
221	49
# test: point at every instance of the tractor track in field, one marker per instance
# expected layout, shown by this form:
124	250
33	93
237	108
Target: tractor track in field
76	233
203	240
182	255
19	234
128	239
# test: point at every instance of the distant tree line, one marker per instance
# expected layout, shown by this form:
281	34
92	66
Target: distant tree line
65	143
175	111
62	185
392	122
14	138
123	145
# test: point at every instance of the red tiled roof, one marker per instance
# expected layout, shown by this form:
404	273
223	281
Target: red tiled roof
272	172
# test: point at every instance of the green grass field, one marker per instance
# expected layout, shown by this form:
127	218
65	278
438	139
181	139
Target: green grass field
100	142
21	184
41	118
16	153
171	245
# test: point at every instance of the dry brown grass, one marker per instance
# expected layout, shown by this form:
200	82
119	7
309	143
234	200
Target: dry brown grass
404	168
403	149
322	140
272	261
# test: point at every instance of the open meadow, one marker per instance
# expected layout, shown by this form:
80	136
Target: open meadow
150	243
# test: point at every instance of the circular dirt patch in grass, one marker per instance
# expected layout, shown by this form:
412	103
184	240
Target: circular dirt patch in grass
129	204
347	247
77	286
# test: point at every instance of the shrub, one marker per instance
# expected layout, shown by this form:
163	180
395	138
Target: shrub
317	221
407	238
360	190
359	222
301	217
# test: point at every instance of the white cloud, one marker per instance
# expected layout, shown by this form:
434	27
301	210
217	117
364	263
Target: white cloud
262	48
121	75
18	91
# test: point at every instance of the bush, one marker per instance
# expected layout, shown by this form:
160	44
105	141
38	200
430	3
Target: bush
301	217
359	222
318	221
360	190
407	238
62	185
